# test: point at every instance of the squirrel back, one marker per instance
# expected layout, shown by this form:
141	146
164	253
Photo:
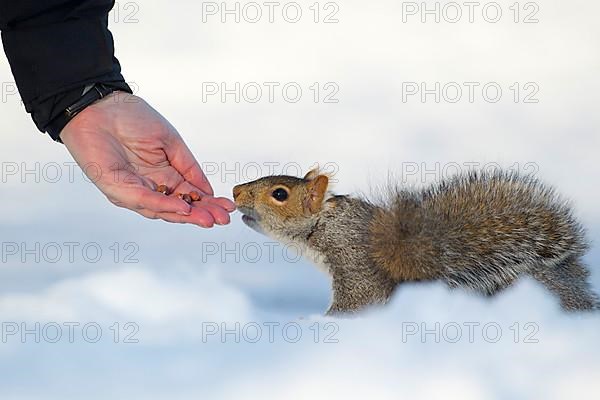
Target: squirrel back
479	231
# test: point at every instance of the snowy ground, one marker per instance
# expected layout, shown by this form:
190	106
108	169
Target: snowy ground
170	311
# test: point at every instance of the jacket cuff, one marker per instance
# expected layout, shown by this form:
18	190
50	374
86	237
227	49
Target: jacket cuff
101	89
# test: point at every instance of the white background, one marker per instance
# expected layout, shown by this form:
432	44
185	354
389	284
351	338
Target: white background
370	136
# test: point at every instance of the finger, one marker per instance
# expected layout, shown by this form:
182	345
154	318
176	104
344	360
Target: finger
220	216
221	202
182	159
144	198
148	214
200	217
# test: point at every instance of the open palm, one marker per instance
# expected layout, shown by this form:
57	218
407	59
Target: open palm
127	149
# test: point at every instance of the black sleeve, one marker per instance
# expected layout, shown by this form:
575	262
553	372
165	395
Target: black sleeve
55	48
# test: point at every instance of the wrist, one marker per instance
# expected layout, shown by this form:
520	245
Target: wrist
89	95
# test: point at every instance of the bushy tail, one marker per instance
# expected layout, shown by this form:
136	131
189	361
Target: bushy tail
482	231
569	281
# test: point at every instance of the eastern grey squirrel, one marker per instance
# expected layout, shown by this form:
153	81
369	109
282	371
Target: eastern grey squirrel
477	230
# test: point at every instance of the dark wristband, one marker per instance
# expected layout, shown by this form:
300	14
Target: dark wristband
94	93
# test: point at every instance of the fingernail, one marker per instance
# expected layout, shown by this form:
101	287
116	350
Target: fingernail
186	213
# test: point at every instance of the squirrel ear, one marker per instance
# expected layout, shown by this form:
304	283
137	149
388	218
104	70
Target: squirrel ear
312	174
317	188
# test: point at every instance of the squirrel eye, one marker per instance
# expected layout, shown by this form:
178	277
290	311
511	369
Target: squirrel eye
280	194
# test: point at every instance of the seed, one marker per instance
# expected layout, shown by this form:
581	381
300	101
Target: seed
162	189
195	195
187	198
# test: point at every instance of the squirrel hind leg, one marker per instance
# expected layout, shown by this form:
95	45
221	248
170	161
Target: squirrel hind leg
568	281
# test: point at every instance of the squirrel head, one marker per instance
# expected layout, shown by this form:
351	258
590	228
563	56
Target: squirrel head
282	206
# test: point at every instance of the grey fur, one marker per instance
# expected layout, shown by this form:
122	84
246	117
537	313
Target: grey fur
341	235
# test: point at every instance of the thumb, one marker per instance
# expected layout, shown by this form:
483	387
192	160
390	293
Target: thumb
182	159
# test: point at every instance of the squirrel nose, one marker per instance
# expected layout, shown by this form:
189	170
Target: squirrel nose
236	191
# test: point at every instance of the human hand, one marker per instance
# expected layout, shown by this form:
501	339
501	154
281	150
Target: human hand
136	149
